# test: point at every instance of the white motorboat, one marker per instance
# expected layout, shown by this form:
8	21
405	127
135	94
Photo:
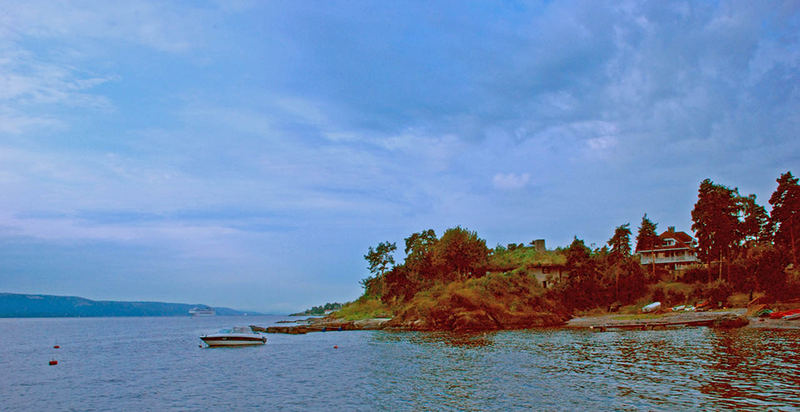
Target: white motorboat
237	336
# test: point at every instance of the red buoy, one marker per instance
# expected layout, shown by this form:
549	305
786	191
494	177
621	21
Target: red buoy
53	362
56	347
335	347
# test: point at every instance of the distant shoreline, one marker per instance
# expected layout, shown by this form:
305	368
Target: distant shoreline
18	305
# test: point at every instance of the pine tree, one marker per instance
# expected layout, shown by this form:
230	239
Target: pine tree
648	239
785	215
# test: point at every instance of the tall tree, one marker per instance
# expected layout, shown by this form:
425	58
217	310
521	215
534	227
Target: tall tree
419	253
582	287
715	220
620	243
378	259
648	239
785	215
460	253
754	221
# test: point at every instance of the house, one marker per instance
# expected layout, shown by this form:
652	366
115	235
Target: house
547	274
675	252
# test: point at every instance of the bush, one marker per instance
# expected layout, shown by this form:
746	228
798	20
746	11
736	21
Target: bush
695	274
716	292
675	297
658	295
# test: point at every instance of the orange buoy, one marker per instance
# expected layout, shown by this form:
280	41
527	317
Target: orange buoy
56	347
54	362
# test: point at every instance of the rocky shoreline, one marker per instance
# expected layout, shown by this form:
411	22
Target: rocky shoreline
734	318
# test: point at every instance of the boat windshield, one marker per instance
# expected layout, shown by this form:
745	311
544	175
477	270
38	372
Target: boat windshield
237	329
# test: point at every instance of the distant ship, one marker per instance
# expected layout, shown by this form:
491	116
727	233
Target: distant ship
202	311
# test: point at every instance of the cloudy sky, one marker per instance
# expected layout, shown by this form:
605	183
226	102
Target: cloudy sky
246	154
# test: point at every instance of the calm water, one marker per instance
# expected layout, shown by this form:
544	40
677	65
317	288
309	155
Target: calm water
156	364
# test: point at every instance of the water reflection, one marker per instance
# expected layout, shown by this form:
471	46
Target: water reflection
693	368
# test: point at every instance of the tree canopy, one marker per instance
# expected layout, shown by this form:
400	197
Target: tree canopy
620	243
715	221
647	238
785	215
460	253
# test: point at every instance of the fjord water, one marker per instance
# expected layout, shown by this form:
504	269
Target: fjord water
157	364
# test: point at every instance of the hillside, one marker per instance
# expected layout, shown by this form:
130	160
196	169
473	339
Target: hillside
13	305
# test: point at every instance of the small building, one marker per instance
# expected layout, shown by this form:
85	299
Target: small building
676	251
547	274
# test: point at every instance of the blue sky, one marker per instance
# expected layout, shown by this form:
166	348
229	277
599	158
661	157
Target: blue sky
247	154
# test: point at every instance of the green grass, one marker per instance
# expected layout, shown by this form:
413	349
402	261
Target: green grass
527	256
363	308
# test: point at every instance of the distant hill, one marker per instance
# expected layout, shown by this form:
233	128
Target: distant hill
13	305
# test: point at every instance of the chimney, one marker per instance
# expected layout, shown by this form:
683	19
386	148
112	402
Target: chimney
671	229
538	244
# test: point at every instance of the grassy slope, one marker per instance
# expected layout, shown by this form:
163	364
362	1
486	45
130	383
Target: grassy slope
506	298
520	258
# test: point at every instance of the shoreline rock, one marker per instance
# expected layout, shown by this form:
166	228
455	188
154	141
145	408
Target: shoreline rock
480	320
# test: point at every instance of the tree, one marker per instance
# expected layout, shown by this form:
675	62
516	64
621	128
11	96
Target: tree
460	253
629	280
620	243
754	222
399	285
419	253
620	249
379	260
715	220
785	215
768	267
582	287
648	239
578	255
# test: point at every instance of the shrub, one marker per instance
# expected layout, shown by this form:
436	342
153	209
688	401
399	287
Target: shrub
675	297
658	295
717	292
695	275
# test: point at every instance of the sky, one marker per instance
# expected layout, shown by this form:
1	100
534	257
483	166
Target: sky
247	154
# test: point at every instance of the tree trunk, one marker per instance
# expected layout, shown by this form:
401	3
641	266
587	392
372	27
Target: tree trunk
654	265
720	266
791	238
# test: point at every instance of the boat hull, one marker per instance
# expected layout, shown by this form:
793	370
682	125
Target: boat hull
217	341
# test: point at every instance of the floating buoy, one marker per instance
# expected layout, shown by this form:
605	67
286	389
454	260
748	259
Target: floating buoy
335	347
53	362
56	347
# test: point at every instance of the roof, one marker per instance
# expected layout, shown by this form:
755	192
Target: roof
678	236
682	241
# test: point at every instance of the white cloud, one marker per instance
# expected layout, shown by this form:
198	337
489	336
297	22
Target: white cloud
510	181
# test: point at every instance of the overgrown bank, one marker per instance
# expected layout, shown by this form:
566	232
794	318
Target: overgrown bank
454	282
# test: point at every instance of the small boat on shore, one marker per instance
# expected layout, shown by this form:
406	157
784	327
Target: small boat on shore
651	307
786	315
237	336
